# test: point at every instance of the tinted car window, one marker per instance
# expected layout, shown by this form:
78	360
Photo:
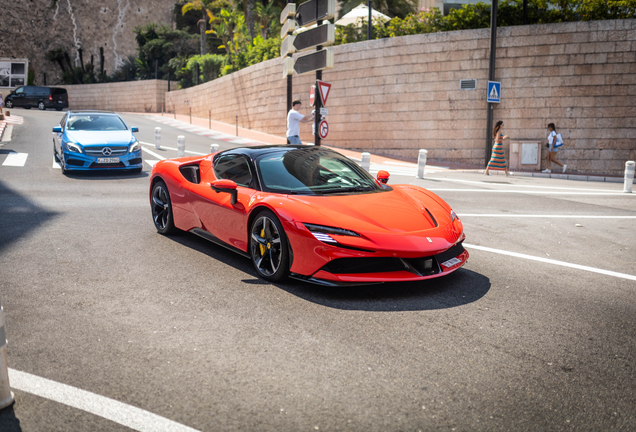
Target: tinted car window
19	90
41	91
95	122
233	167
58	91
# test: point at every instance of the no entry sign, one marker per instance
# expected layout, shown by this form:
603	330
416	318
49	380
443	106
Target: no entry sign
323	129
312	96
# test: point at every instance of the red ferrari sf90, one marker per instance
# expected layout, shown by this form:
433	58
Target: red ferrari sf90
308	213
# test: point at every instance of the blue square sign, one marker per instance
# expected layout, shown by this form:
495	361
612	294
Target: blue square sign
494	92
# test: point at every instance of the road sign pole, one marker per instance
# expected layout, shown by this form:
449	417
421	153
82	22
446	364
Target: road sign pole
491	76
318	100
289	91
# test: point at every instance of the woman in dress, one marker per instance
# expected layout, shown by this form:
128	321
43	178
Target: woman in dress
498	158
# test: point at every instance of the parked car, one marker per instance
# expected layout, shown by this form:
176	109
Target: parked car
94	141
309	213
36	96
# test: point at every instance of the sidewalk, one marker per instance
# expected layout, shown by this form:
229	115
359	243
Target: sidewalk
394	166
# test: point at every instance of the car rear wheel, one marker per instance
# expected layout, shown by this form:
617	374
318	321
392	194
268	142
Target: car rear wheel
9	104
41	106
269	247
161	207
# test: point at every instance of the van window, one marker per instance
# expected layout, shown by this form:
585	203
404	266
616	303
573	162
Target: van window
19	90
58	91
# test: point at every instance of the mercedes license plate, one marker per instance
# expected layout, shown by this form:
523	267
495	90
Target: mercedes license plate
107	160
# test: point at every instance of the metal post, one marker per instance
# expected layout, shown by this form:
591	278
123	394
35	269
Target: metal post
525	12
209	119
366	161
168	80
289	89
491	76
421	163
180	146
629	176
44	78
174	110
6	395
237	125
369	23
156	68
162	108
196	68
190	108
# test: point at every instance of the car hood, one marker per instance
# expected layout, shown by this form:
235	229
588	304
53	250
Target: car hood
396	211
99	137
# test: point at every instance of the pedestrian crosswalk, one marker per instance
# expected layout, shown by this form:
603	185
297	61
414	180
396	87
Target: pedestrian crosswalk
15	159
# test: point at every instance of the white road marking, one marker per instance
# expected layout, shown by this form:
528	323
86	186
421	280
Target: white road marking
174	149
152	153
118	412
546	216
56	164
531	192
486	183
551	261
15	159
151	162
6	137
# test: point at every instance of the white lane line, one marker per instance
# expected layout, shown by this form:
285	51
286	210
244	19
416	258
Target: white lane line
6	137
486	183
151	162
152	153
174	149
551	261
15	159
531	192
118	412
545	216
56	164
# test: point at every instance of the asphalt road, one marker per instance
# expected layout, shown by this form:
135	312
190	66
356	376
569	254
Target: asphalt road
95	299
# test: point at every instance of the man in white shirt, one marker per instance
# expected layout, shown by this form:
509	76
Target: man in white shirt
294	118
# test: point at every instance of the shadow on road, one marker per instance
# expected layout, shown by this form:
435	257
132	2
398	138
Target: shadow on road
115	174
457	289
8	421
18	216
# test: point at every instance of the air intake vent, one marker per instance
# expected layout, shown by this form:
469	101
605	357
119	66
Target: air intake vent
468	84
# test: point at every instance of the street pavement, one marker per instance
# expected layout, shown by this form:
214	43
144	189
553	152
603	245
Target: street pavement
112	326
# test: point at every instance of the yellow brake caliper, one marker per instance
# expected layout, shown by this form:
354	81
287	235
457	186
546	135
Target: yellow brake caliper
260	245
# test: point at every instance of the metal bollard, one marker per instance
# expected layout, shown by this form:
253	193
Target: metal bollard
180	146
6	395
629	176
366	161
158	138
421	163
214	148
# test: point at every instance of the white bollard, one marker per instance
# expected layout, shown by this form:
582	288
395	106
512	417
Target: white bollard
214	148
366	161
6	395
629	176
180	146
421	163
158	138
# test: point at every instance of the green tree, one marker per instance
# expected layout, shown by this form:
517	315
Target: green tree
160	43
206	15
267	18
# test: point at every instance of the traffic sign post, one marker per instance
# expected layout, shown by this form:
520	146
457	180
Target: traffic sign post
494	92
323	130
312	95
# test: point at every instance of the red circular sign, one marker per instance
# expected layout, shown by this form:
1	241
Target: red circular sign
323	129
312	95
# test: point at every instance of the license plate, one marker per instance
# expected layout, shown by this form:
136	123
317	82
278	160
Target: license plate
107	160
451	262
60	101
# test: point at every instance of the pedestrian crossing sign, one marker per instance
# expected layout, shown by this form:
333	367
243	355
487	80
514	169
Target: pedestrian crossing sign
494	92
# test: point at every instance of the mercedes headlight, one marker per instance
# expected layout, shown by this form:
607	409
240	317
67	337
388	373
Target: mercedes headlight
74	148
135	146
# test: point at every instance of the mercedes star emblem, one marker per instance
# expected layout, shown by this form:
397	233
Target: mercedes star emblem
107	151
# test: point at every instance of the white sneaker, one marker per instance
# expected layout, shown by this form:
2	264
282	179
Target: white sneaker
564	167
546	171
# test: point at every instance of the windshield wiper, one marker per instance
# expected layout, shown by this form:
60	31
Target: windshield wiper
350	189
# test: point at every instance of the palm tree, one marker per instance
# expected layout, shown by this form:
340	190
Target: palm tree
266	15
206	14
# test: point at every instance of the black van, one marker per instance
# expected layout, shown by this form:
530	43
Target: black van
36	96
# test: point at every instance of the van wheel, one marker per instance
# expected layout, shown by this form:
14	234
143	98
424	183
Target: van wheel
41	106
9	104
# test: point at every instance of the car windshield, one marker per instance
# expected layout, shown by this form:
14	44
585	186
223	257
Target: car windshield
312	171
95	122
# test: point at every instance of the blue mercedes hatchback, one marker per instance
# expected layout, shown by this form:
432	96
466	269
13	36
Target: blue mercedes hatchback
96	140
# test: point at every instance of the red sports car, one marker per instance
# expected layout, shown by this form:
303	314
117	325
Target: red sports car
309	213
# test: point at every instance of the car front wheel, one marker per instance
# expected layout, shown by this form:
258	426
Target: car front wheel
41	106
161	208
269	247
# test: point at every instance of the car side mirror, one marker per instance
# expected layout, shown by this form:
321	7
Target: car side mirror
134	129
57	129
383	177
225	186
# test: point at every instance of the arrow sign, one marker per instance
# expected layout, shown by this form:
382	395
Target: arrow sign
314	10
324	88
289	27
288	12
317	60
321	35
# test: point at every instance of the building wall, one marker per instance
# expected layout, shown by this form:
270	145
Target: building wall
396	96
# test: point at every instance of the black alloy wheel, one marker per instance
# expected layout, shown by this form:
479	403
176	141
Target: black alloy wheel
9	104
268	247
41	106
161	208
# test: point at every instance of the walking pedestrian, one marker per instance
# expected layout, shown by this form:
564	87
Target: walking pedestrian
498	158
554	142
294	118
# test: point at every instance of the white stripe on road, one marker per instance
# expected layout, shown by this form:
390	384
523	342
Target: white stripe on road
151	162
56	164
545	216
15	159
118	412
532	192
6	137
551	261
152	153
487	183
173	149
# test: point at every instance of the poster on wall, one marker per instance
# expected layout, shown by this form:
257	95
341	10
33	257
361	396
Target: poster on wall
13	72
5	73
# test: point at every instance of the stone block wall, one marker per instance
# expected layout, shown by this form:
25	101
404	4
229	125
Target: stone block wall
131	96
396	96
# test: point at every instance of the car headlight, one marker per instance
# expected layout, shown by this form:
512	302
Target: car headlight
72	147
135	147
322	232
